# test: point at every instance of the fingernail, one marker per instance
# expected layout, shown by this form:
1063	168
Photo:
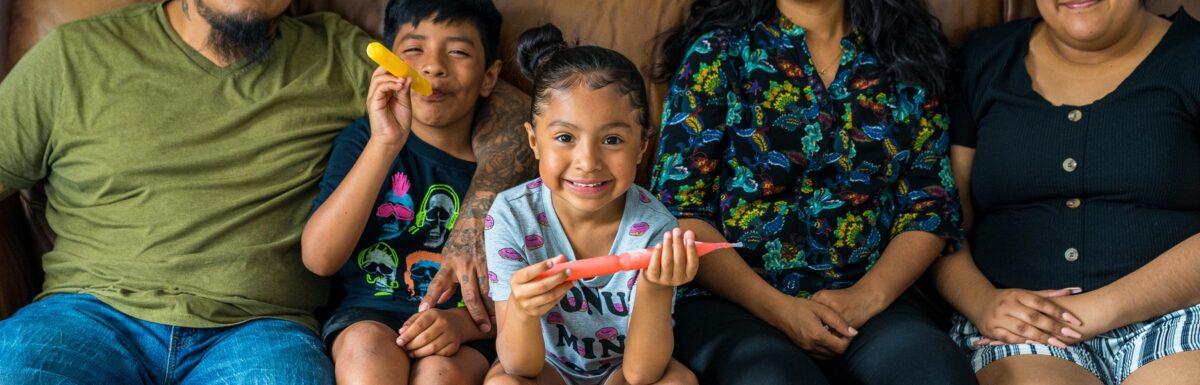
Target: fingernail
995	343
852	331
400	341
568	272
1032	342
666	235
550	263
1071	318
1071	333
1075	290
1056	342
424	306
486	328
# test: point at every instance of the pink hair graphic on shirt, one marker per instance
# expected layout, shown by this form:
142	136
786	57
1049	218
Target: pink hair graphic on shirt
399	189
399	184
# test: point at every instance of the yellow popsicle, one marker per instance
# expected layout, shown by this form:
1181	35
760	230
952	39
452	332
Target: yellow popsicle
398	68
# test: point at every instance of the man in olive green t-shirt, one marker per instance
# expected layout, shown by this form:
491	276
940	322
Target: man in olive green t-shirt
180	144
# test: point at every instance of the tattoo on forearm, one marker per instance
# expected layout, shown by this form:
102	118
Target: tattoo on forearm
505	160
186	15
500	143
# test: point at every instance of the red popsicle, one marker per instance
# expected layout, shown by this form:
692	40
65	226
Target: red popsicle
629	260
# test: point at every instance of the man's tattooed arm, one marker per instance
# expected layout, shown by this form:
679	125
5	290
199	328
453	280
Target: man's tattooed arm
504	160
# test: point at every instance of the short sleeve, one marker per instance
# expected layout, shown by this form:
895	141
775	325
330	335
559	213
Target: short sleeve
29	99
353	42
347	146
504	247
696	117
964	124
926	192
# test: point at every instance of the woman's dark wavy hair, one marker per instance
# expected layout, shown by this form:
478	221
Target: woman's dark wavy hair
547	61
902	34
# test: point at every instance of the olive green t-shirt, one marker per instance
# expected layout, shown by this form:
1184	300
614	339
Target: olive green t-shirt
179	189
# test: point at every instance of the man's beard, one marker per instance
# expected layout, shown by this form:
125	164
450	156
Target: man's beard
244	36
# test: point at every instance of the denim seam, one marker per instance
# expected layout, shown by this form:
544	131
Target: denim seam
171	356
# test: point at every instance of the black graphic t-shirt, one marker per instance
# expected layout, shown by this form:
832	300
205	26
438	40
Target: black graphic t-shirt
399	251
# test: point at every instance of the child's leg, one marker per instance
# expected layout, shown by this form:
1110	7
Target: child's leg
676	374
548	376
468	366
366	353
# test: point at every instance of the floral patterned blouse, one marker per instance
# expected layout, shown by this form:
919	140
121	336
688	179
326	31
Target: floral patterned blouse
814	181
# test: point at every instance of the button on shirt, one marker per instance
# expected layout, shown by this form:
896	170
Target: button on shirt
1079	195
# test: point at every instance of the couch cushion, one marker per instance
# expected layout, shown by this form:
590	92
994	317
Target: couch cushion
32	19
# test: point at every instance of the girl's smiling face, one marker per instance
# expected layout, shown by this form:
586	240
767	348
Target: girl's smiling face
588	143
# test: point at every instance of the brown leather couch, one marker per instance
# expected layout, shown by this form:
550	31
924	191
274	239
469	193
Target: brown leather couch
625	25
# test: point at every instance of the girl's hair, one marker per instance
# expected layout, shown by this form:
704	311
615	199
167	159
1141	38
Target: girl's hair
547	61
905	37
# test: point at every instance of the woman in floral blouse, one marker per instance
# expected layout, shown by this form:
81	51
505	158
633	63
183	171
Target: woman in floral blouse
812	132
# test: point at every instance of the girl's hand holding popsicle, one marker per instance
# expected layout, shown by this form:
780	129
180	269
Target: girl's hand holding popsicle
534	295
674	261
629	260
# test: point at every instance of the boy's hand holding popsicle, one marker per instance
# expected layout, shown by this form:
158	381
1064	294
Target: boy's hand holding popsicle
389	109
389	106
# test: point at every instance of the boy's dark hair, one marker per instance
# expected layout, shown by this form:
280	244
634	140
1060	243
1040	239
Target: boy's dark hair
480	13
548	62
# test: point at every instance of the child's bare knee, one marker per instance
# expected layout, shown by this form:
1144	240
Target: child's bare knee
365	337
437	370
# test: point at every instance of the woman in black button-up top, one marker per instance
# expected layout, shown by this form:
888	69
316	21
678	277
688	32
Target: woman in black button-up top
1076	147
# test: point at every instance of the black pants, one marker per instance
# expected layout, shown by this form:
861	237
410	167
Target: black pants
724	344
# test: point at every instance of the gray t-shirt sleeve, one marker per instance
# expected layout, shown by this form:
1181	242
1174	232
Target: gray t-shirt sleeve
503	245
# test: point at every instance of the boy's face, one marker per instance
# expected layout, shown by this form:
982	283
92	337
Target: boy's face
588	144
451	57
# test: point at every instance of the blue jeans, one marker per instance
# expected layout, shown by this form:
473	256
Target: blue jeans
75	338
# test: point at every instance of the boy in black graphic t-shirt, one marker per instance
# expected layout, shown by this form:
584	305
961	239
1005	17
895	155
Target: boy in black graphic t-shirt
390	196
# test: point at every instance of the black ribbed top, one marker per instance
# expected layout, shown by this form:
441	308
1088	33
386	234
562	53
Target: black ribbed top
1079	195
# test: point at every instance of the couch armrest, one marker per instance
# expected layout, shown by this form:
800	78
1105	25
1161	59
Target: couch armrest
20	274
